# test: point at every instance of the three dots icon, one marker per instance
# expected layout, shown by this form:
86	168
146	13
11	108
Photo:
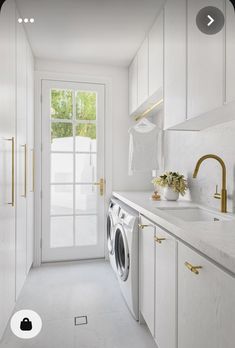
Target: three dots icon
26	20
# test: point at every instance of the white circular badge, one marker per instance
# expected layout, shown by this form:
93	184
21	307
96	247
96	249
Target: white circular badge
26	324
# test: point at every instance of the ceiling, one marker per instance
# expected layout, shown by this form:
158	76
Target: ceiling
88	31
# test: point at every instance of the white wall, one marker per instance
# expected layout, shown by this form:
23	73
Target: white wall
183	149
119	119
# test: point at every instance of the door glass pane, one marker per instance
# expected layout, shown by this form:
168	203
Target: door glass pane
61	168
61	231
61	104
86	199
85	105
86	230
61	199
62	137
86	137
86	168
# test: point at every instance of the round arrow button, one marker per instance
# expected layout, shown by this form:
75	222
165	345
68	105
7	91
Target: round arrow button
210	20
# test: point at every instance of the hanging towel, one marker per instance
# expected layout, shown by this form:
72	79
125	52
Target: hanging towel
143	149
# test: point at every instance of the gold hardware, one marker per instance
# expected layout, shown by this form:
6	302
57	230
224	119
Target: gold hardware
101	184
145	113
12	140
159	240
223	194
192	268
25	170
33	171
143	226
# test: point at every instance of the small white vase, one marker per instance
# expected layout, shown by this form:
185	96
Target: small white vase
170	195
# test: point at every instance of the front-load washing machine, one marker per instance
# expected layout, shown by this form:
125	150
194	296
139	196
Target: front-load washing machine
126	251
112	220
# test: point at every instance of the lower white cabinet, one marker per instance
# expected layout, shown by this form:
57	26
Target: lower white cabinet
165	289
147	231
206	303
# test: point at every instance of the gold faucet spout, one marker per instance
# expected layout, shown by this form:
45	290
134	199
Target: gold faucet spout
223	195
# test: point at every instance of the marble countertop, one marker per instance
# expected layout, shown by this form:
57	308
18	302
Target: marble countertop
216	240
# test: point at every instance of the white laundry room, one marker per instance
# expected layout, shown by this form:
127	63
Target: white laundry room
117	173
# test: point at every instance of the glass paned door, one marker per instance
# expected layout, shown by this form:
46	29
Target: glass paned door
72	170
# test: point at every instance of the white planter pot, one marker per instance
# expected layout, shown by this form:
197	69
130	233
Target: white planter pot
170	195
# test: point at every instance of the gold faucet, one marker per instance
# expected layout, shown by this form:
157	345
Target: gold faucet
223	194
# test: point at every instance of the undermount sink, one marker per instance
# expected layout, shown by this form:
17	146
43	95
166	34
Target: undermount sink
195	214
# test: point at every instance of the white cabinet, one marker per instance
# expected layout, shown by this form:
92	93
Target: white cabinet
143	90
21	148
205	63
133	85
147	272
175	51
165	289
156	55
30	158
7	131
230	53
206	308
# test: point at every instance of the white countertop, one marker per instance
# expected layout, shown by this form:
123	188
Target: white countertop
216	240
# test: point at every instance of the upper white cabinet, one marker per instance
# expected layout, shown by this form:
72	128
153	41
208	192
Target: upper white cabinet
146	70
143	77
133	85
147	272
175	63
230	53
199	70
206	308
156	55
165	289
205	63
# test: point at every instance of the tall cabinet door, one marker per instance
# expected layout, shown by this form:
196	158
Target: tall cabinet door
22	152
205	63
230	52
30	157
7	132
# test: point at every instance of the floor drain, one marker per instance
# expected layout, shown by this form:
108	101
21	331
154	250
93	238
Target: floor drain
82	320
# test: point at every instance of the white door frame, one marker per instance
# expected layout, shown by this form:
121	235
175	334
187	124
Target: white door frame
39	76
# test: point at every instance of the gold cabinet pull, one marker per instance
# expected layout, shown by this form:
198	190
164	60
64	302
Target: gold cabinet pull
33	170
143	226
101	184
159	240
25	171
12	140
193	269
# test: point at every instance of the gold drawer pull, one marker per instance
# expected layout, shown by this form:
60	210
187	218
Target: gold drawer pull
192	268
143	226
25	170
159	240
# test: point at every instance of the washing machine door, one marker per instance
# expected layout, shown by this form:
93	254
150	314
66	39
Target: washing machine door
121	252
110	233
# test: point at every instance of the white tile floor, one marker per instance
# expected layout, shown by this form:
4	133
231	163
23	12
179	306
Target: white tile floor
63	291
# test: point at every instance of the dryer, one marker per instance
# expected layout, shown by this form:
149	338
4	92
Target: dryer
112	220
126	251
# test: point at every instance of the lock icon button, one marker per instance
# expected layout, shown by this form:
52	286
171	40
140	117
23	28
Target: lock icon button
26	325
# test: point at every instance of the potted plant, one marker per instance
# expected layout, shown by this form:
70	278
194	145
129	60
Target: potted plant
173	184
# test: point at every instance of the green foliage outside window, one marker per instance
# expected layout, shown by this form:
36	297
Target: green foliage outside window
62	108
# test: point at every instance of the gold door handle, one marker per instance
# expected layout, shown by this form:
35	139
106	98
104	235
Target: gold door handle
12	140
101	184
193	269
33	170
25	171
143	226
159	240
